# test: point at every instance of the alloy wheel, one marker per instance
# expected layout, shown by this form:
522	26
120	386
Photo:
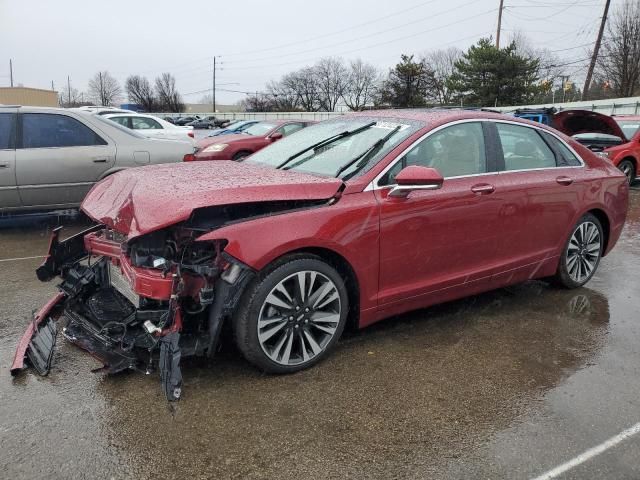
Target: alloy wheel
583	251
299	317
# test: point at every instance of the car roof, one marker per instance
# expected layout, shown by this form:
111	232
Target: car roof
438	116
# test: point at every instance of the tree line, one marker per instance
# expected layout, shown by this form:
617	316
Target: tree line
104	90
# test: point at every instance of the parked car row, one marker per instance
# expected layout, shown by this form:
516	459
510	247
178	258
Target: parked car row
195	121
347	221
615	137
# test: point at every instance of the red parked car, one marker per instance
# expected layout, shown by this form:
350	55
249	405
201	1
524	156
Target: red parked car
349	221
241	145
614	137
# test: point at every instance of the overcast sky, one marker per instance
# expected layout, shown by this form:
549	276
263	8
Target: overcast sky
258	41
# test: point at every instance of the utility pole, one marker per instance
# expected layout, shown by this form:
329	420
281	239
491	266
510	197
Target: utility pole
11	71
52	87
564	79
213	90
499	23
596	49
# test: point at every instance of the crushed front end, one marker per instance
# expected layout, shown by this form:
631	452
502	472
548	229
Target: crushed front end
137	304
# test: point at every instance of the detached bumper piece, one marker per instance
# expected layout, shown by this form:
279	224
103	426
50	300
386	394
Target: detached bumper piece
40	351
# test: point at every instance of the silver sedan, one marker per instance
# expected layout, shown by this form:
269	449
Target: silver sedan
51	157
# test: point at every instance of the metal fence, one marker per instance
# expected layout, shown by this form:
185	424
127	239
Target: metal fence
615	106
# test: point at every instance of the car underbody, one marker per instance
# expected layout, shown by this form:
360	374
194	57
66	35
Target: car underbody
135	305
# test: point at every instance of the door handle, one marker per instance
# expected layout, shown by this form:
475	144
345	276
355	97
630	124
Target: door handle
4	165
564	180
483	188
99	159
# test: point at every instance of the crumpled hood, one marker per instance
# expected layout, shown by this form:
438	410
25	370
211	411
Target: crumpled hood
140	200
573	122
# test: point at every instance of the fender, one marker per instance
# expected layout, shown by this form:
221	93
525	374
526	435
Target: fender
339	227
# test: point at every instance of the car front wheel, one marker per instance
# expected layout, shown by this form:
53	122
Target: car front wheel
292	315
628	168
581	255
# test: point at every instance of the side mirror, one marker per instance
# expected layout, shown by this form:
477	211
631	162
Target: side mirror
415	177
275	136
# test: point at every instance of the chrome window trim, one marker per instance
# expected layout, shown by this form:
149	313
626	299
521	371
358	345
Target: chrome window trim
373	185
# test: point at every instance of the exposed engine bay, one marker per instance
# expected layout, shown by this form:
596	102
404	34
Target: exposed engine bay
136	304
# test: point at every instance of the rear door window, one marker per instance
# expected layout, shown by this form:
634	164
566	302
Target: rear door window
45	130
7	131
142	123
566	158
523	148
124	121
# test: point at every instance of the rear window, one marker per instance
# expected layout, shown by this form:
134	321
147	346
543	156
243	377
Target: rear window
45	130
7	131
566	157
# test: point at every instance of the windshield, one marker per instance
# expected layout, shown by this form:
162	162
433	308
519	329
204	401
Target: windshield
113	124
327	160
260	129
629	127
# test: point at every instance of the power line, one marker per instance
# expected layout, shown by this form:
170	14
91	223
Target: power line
374	34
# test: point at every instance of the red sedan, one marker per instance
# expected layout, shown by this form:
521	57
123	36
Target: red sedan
349	221
614	137
241	145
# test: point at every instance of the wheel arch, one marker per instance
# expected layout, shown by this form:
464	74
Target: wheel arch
604	220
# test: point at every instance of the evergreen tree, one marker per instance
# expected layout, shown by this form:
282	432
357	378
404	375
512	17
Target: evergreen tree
487	76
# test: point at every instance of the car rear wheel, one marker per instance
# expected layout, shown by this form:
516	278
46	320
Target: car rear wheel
628	168
292	315
241	155
581	255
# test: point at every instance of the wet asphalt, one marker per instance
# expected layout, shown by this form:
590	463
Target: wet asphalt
507	384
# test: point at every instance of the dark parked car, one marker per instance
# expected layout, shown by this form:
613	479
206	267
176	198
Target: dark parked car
349	221
182	121
240	145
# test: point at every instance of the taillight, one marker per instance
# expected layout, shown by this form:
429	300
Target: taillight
190	134
189	157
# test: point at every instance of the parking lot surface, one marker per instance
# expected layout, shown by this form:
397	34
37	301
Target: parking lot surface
508	384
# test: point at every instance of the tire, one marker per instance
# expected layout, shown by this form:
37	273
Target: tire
278	330
629	169
581	254
241	156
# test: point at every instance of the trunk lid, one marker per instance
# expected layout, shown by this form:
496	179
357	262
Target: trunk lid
141	200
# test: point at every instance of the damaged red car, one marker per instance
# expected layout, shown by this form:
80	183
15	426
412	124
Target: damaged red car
347	222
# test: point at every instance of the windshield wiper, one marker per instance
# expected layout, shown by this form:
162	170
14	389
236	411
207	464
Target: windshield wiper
326	141
364	156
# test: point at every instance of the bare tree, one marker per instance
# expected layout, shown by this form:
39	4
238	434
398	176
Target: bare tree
440	64
169	99
361	85
619	59
304	83
140	92
70	97
104	89
284	96
331	80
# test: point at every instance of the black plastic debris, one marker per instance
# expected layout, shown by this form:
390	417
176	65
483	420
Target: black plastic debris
40	350
169	365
